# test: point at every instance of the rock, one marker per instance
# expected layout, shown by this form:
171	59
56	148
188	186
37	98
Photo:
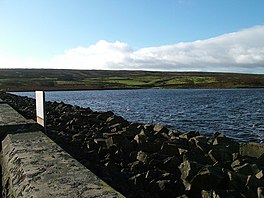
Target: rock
160	129
237	181
113	166
116	120
260	175
260	160
236	163
220	155
170	164
168	188
220	194
246	169
105	115
227	143
140	139
137	167
207	178
182	196
143	157
173	134
189	135
138	179
132	130
260	192
100	142
79	138
196	154
115	139
201	142
253	182
150	147
153	174
169	149
251	149
181	143
155	159
189	169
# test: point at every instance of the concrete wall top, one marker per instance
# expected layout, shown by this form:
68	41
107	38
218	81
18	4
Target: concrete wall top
38	167
35	166
8	116
12	122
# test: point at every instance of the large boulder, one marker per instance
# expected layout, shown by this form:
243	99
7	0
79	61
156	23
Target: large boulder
251	149
189	169
208	178
169	149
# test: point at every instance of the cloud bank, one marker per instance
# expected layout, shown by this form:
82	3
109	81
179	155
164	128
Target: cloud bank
241	51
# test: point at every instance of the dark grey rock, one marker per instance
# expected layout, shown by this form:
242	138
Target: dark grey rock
160	129
189	134
196	154
143	157
150	147
221	155
116	120
251	149
115	139
153	174
100	142
207	178
138	179
140	139
137	167
169	149
104	115
260	174
246	169
260	160
189	169
260	192
220	194
227	143
237	181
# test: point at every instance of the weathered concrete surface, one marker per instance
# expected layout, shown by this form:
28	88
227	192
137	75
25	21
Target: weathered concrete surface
251	149
8	116
12	122
35	166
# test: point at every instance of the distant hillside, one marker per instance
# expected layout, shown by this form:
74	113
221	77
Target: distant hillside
53	79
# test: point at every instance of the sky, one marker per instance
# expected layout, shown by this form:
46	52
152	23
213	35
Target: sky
158	35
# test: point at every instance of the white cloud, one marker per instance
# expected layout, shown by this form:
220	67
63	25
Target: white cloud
241	51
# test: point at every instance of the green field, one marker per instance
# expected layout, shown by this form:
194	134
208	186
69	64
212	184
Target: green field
42	79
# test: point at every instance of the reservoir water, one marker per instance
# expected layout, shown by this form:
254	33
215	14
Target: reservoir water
238	113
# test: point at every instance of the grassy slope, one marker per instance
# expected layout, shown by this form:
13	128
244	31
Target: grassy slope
32	79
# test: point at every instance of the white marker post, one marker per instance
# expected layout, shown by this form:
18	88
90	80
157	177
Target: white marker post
40	108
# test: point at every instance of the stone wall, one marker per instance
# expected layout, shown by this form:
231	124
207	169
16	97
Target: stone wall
34	166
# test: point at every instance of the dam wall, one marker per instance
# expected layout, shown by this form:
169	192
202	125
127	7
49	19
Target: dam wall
33	165
137	159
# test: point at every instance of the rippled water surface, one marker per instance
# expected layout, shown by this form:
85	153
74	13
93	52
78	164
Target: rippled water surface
238	113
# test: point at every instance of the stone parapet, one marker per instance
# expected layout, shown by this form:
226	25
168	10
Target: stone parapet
12	122
35	166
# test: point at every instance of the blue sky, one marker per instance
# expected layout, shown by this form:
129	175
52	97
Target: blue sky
122	34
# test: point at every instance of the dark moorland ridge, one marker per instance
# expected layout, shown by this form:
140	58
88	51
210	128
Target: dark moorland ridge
54	79
142	160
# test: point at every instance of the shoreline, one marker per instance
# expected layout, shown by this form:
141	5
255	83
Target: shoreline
116	89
